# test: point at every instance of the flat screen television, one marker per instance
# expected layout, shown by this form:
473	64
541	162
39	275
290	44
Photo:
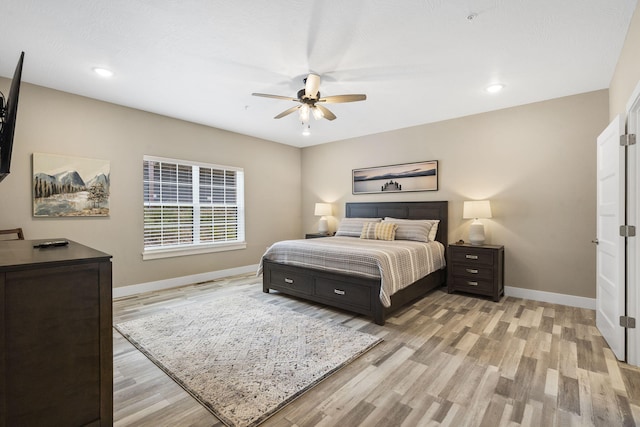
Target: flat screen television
8	112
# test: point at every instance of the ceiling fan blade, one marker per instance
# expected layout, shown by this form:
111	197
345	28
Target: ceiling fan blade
326	113
287	112
312	86
266	95
336	99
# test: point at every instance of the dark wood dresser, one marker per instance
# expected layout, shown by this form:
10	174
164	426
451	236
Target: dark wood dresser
476	269
56	341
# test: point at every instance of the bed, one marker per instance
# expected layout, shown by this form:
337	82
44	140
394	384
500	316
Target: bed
355	292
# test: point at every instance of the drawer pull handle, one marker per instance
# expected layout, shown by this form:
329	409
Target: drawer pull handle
472	271
471	256
472	283
339	292
289	281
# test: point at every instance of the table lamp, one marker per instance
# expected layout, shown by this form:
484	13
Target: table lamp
323	210
476	209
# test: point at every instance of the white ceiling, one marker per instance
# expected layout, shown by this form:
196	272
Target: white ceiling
418	61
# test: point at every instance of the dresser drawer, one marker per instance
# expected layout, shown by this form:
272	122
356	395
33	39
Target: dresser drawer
471	256
472	285
472	272
343	293
282	278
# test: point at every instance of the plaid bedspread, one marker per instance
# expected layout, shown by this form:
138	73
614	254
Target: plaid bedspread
398	263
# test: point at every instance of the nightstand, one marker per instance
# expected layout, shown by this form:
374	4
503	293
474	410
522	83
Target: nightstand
476	269
316	235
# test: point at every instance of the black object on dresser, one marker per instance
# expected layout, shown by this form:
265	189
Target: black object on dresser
477	269
56	342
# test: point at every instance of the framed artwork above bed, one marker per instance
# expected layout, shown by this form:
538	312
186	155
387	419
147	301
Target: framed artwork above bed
419	176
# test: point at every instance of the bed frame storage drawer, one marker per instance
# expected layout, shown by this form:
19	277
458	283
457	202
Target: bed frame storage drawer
291	281
343	293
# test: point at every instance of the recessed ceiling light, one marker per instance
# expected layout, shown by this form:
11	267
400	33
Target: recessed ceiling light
307	131
494	88
103	72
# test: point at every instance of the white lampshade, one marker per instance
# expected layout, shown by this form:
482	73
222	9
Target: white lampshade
476	209
322	210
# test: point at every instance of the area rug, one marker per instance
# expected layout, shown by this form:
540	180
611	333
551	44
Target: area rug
242	358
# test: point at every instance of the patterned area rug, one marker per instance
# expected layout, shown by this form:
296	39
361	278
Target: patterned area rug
242	358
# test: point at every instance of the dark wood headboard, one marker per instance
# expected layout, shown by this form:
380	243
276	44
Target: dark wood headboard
405	210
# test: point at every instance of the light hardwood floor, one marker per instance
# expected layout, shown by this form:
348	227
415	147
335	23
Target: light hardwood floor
446	360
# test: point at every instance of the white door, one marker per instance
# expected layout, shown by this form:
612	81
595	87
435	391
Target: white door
610	253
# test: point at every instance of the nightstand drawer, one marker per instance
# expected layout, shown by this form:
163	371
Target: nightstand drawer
471	285
471	256
472	272
281	278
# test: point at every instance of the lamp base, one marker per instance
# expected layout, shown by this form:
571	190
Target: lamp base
476	233
323	226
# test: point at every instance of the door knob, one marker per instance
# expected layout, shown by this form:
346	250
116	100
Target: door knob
595	241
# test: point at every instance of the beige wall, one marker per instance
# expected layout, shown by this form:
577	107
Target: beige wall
627	73
60	123
536	163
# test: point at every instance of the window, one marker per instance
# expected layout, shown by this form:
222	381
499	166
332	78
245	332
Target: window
191	208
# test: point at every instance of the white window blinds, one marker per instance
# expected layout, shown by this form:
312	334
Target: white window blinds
189	204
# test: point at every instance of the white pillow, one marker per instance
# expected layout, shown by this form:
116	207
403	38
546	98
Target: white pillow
352	227
419	230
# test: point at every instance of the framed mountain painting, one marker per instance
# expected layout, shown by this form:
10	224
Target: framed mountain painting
65	186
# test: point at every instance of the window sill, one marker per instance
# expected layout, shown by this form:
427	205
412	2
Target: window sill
149	254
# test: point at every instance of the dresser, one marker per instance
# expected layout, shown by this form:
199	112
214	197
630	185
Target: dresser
476	269
56	340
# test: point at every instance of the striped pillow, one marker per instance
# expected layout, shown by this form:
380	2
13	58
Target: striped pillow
419	230
369	230
379	231
386	231
352	227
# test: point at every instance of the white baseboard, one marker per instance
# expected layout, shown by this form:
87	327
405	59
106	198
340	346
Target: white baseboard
570	300
125	291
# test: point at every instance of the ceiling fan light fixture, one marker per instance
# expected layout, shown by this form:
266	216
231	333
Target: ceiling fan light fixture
310	101
304	112
317	113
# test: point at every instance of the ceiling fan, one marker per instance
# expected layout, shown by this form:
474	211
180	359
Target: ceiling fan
311	102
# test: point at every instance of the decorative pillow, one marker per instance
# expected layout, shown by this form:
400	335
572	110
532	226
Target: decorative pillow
386	231
369	230
419	230
352	227
379	231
